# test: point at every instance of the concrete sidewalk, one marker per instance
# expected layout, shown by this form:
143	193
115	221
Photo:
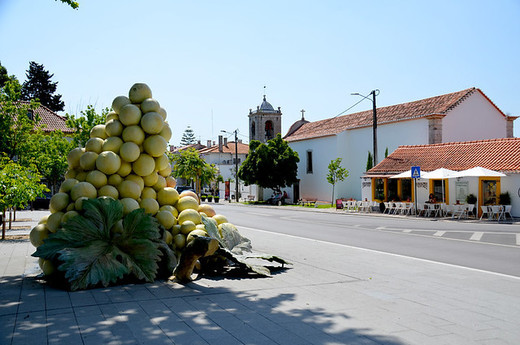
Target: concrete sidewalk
333	294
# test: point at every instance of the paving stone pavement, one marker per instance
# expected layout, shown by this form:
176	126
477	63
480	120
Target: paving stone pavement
332	294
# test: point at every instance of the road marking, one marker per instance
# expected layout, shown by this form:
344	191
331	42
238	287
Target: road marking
518	239
407	230
381	228
391	254
439	233
477	236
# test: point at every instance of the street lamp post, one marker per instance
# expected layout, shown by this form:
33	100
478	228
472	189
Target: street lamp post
374	93
236	161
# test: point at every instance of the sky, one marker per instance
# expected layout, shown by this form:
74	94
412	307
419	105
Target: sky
209	62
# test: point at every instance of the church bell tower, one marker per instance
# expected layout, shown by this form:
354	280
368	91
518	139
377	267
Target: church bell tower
265	122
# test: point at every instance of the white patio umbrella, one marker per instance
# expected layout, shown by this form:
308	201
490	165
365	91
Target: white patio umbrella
477	172
441	174
438	174
404	174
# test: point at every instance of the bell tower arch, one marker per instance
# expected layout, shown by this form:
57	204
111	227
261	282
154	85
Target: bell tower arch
265	122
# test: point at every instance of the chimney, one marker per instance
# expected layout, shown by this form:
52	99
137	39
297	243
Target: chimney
208	143
220	143
225	141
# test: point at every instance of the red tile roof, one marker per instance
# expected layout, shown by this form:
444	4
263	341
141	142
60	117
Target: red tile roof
196	146
438	105
49	120
229	148
495	154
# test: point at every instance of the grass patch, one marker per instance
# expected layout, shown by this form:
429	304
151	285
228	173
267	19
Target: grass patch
324	206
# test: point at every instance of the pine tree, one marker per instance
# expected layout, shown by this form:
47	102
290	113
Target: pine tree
39	86
188	137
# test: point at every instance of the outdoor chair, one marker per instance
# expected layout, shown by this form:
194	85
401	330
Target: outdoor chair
486	210
497	211
507	211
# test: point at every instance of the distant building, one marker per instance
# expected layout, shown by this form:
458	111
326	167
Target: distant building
460	116
224	157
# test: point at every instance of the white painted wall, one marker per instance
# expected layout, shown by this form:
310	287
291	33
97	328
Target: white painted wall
352	147
511	183
473	119
359	141
315	185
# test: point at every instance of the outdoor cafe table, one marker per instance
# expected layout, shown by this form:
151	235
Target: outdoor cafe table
460	210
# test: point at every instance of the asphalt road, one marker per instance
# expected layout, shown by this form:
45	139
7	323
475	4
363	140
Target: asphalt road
487	246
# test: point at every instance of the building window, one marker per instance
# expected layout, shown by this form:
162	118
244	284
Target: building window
439	189
30	115
309	162
269	131
379	189
406	189
253	129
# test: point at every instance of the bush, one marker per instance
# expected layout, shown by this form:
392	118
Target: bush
505	198
471	199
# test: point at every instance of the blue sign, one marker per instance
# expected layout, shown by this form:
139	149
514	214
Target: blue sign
416	172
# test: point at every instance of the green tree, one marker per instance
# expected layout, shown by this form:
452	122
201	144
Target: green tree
209	174
386	152
73	4
39	87
370	161
191	166
4	77
84	123
49	154
270	165
19	185
10	87
15	124
336	173
188	137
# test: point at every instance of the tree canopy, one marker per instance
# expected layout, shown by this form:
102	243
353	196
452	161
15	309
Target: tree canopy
40	87
270	165
73	4
19	185
84	123
48	153
189	165
188	137
10	87
15	124
336	173
4	77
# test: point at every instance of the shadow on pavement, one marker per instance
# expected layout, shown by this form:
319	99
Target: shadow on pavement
170	313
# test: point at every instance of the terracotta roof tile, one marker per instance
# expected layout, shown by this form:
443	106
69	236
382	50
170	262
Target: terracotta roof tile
229	148
49	120
438	105
196	146
495	154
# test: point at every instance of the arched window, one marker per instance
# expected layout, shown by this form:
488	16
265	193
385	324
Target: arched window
269	132
253	130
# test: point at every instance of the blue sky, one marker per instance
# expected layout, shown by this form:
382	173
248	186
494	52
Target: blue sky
207	61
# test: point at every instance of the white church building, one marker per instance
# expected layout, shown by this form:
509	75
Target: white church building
455	117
